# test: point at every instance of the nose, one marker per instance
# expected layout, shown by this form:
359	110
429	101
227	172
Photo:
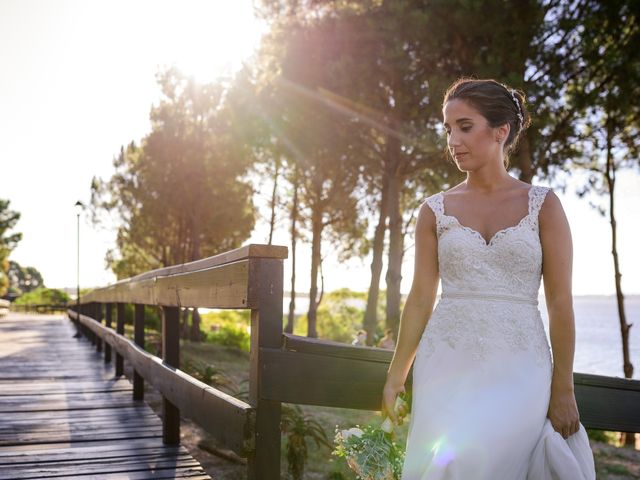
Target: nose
452	140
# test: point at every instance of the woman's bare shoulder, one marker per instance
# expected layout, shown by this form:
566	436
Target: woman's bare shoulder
551	210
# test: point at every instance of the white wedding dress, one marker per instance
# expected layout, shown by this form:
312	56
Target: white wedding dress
483	368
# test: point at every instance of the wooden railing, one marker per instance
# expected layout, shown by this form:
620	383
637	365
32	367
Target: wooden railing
283	367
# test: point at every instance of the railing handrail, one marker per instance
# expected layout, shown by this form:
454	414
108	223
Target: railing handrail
189	284
241	253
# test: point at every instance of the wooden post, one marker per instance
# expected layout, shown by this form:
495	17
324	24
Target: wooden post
171	357
107	322
83	311
265	286
89	308
98	316
76	320
120	330
138	338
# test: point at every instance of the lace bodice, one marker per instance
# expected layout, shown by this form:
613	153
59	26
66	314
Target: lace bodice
510	264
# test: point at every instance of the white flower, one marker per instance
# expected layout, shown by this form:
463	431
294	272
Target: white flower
352	431
387	425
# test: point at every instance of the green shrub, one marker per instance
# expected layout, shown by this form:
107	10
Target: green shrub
227	327
209	374
152	316
43	296
231	335
298	426
339	315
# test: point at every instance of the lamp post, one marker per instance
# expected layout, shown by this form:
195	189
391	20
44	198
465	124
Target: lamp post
79	206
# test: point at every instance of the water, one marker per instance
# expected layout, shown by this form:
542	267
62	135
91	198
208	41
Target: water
598	338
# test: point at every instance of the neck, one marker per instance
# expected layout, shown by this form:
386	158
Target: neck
493	176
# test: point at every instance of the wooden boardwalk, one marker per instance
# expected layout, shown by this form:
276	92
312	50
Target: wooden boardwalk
63	413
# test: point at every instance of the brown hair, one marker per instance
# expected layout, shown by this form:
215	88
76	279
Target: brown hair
498	103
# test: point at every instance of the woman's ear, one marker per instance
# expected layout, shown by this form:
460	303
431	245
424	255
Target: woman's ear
502	133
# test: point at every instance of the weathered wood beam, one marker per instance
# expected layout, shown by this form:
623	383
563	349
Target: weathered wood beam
225	286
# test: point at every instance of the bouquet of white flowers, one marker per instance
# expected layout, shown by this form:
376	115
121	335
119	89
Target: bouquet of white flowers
371	452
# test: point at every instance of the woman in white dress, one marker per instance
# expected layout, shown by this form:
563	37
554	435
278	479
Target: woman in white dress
490	401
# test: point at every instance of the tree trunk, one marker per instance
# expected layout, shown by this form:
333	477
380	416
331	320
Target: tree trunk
184	331
396	247
610	176
294	219
315	264
371	311
195	334
274	200
525	160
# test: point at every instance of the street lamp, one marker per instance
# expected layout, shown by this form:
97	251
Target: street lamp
79	207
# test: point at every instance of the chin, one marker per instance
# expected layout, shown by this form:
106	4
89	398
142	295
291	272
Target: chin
464	166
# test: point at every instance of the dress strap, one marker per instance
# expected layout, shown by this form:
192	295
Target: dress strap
537	194
436	204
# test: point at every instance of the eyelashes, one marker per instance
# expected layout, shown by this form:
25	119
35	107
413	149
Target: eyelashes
465	129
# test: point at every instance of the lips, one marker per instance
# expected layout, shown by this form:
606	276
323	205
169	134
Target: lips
460	155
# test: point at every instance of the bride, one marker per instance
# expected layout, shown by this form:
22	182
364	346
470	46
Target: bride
491	399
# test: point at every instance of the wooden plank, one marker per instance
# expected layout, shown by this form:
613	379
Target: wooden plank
171	358
144	456
608	403
138	338
71	398
120	331
64	415
217	287
62	455
321	380
98	316
63	418
108	320
242	253
43	387
102	433
171	465
297	343
265	291
227	418
63	451
62	405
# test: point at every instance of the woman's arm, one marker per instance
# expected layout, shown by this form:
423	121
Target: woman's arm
557	260
417	309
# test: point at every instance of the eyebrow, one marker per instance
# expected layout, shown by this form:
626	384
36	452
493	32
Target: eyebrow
460	120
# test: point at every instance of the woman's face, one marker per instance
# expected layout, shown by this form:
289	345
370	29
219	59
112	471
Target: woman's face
471	141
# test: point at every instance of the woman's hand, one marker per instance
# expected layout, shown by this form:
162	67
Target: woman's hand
390	392
563	412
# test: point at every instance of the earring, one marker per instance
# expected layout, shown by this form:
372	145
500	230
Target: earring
499	140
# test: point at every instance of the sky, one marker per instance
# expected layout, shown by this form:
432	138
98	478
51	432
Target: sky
78	80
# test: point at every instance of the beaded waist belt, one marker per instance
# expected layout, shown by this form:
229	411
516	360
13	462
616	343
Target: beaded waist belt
490	296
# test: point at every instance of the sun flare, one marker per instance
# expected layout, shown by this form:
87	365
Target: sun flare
206	39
